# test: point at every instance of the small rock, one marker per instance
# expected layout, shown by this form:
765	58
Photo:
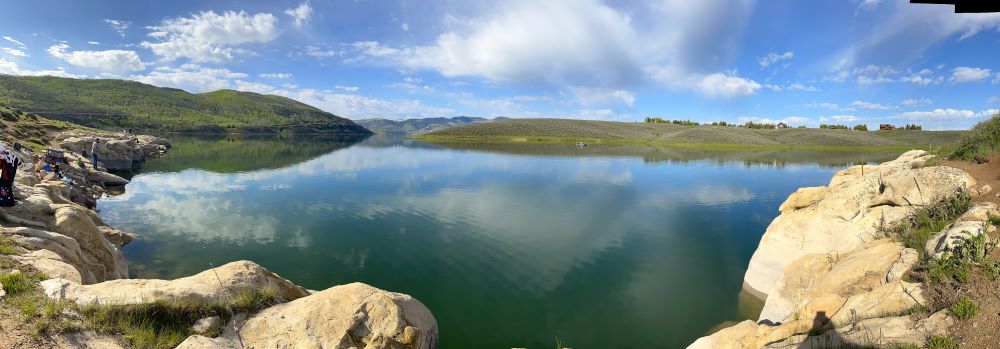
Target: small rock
207	324
985	189
3	293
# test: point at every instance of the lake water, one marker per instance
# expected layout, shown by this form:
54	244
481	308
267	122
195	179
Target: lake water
510	246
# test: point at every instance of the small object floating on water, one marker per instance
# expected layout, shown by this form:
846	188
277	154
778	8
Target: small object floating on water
581	145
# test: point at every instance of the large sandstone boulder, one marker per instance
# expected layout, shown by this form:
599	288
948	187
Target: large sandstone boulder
348	316
971	224
118	152
840	217
213	284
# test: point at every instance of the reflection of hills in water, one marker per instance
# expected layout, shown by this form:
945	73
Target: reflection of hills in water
242	153
665	154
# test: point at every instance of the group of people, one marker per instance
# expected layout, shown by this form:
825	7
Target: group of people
8	169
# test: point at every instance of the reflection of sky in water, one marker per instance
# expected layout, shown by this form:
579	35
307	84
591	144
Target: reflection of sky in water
534	246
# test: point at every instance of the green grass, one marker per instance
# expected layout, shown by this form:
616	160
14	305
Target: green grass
914	231
703	136
7	247
116	104
16	283
164	324
980	143
965	308
941	342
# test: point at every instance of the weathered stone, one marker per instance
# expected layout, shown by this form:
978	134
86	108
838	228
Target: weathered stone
985	189
353	315
202	342
907	259
212	285
888	299
202	326
51	264
118	152
847	213
876	332
945	242
85	340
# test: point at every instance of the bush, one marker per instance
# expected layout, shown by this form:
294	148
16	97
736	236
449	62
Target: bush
915	230
913	127
981	142
861	127
941	342
965	308
15	283
834	127
763	126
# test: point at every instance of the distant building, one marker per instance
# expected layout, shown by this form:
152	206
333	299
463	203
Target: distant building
782	125
886	127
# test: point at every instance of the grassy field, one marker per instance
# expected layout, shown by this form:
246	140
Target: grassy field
715	137
116	104
31	130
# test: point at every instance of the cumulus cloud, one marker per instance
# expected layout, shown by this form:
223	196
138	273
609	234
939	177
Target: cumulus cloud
869	106
823	105
11	68
191	77
923	78
726	86
963	75
118	26
591	96
801	87
911	102
15	52
11	39
870	74
775	58
942	114
843	118
275	75
300	14
210	37
114	62
347	88
791	121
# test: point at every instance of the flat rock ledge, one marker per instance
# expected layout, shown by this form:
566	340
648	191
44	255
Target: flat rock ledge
829	277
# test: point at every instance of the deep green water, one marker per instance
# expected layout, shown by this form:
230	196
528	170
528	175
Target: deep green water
508	245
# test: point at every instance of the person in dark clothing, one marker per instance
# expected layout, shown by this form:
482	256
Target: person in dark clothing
8	169
93	151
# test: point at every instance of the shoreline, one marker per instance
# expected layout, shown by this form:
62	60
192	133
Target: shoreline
76	263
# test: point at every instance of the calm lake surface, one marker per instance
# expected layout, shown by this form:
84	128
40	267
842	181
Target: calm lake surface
508	245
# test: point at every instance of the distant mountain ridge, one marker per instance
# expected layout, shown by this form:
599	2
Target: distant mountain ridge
419	126
116	104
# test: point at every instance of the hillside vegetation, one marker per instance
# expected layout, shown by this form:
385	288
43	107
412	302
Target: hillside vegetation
980	143
115	104
31	130
563	130
417	126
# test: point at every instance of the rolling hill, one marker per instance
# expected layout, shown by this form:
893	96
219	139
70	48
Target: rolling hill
417	126
564	130
116	104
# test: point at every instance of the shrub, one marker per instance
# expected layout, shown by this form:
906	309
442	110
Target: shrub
982	141
834	127
941	342
913	127
915	230
754	125
965	308
861	127
15	283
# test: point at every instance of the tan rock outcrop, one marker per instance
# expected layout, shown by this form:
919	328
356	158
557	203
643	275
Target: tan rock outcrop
838	218
353	315
213	284
117	151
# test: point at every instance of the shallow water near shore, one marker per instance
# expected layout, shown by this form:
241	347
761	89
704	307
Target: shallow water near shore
509	245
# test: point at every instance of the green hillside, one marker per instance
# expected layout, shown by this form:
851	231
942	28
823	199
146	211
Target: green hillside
114	104
564	130
31	130
417	126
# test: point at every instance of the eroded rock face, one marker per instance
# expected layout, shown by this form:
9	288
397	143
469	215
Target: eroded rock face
212	284
839	218
347	316
118	152
971	224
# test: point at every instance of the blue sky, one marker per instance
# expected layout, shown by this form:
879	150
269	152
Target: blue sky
803	62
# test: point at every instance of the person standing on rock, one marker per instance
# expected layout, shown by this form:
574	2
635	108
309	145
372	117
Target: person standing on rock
8	169
93	151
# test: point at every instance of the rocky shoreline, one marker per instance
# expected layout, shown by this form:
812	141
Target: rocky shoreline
831	277
56	231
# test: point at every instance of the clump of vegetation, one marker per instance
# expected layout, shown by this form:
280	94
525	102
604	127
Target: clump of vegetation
761	126
833	127
16	283
915	230
912	127
941	342
965	308
861	127
7	246
658	120
164	324
981	142
721	123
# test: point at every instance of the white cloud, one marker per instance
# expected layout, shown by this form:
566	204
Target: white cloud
300	14
905	31
405	26
921	80
775	58
11	39
111	61
869	106
15	52
319	52
118	26
412	85
210	37
190	77
844	118
94	42
870	74
347	88
942	114
791	121
915	102
824	105
963	75
802	87
994	100
11	68
361	107
726	86
275	75
602	96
